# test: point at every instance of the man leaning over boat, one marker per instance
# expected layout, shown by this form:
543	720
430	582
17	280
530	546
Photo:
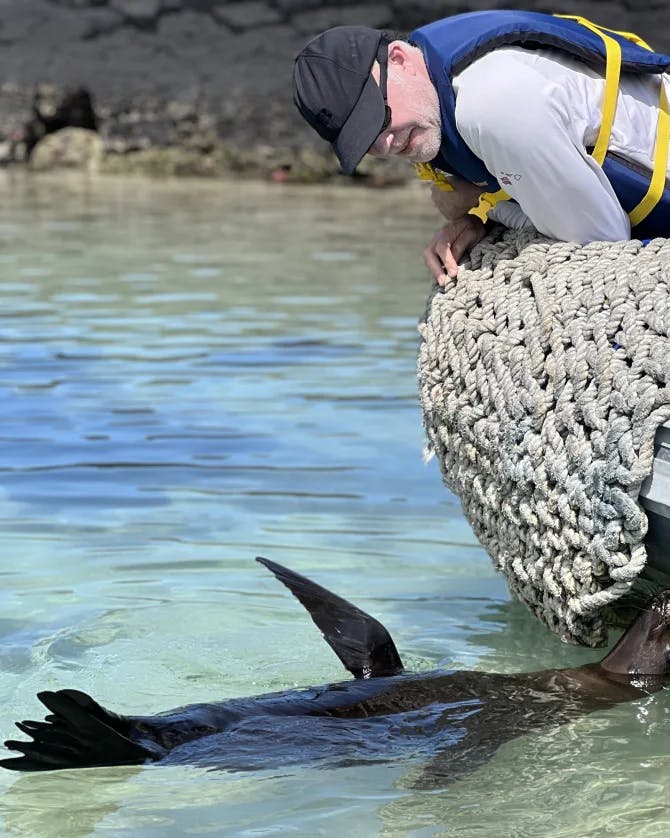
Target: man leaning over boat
545	121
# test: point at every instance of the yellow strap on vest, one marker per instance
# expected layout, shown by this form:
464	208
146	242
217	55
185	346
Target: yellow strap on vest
612	74
487	200
629	36
657	182
427	172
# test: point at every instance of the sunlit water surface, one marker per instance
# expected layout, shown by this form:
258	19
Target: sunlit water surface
193	374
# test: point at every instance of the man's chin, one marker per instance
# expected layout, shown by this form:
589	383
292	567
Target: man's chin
424	152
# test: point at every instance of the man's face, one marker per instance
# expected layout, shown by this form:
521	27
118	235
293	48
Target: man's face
414	132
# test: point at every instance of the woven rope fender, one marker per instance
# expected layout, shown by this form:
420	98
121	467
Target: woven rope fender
542	377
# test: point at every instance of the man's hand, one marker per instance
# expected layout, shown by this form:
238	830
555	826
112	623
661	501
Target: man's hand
450	243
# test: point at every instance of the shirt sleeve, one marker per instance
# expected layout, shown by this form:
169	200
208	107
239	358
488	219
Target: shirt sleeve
511	215
518	122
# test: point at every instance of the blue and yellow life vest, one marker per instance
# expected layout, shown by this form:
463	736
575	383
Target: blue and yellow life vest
452	44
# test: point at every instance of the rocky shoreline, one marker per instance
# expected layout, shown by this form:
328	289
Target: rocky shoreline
199	87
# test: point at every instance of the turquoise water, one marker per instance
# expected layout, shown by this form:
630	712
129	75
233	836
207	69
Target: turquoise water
191	375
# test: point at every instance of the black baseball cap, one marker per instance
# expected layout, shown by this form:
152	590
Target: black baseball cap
335	92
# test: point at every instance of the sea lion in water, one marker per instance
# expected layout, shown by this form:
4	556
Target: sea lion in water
455	719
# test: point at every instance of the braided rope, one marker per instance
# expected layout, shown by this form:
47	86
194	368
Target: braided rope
542	374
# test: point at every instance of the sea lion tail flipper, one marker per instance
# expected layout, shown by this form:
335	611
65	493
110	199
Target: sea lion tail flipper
362	643
78	733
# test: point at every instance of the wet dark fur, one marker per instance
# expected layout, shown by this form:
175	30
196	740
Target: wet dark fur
454	720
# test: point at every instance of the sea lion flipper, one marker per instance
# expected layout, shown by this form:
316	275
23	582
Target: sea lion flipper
362	643
78	733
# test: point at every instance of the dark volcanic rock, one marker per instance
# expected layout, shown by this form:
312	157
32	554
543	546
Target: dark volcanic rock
248	15
194	74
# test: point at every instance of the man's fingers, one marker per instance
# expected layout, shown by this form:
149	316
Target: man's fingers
434	263
468	236
451	261
460	245
449	245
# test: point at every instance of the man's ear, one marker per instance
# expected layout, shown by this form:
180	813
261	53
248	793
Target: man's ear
401	56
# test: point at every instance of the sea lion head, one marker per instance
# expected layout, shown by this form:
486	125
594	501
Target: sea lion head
644	648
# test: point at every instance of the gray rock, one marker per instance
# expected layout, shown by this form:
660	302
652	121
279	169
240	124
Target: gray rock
377	15
139	11
72	148
654	26
20	22
100	22
80	4
189	27
293	6
247	15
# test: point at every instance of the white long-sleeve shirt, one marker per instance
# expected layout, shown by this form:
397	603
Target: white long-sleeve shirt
529	116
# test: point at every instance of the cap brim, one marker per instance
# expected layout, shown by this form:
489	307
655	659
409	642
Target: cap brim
361	129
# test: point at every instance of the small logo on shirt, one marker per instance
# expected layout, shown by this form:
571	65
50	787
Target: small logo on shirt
508	177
